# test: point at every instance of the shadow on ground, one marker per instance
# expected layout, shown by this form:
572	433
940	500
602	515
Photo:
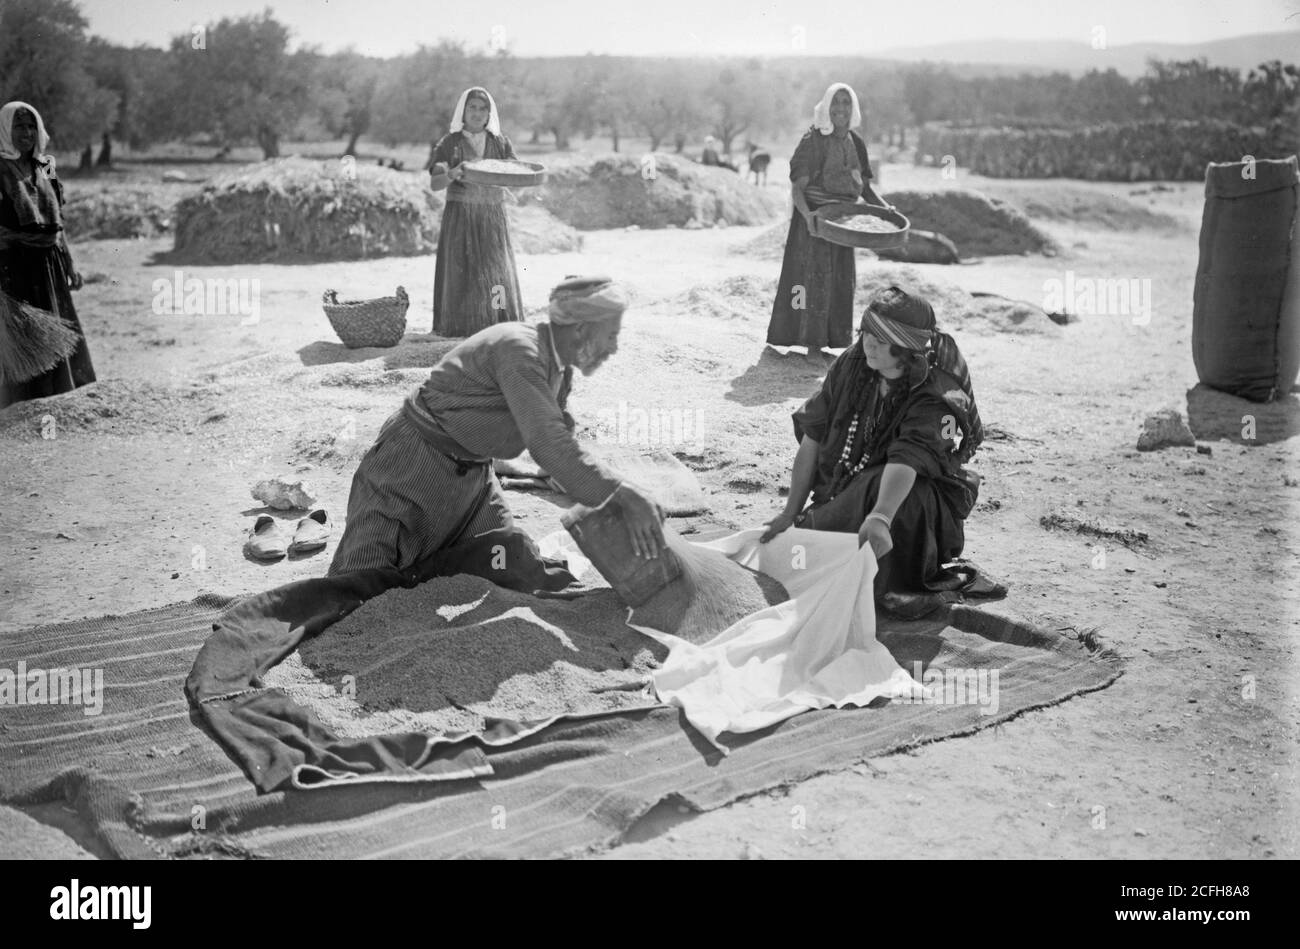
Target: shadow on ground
414	351
1212	415
775	378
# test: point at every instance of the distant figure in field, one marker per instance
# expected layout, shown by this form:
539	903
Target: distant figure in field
475	283
759	159
711	157
814	297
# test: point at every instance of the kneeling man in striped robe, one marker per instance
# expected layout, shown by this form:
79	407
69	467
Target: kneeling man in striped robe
427	483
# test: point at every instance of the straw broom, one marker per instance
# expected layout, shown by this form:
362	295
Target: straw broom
32	340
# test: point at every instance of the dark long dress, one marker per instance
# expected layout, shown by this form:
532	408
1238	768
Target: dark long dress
475	283
39	275
910	429
816	273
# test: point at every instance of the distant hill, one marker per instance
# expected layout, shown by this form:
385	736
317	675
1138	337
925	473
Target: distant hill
1238	52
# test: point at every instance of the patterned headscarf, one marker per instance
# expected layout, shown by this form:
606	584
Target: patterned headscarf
900	318
908	321
7	113
822	111
586	300
458	117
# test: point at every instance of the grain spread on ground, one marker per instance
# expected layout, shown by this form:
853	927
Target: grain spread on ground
454	650
866	223
501	166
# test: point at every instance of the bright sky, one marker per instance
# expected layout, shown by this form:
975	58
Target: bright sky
684	27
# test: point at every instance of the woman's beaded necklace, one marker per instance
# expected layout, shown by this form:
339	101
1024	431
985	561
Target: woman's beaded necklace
850	469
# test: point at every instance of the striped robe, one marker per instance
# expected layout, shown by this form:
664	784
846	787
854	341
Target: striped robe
427	482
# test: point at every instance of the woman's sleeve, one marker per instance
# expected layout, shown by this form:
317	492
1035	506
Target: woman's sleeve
442	151
814	417
801	162
920	443
508	148
863	158
7	184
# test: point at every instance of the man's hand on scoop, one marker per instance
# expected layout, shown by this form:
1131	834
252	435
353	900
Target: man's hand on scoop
644	520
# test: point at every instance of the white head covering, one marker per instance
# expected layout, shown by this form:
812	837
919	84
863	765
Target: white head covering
822	110
7	113
458	117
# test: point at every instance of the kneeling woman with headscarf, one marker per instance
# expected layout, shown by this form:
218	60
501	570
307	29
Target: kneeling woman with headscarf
881	452
474	283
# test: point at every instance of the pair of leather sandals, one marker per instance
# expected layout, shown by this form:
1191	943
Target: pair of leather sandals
267	541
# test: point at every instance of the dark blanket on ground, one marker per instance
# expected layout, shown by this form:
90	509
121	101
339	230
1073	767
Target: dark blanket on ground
145	777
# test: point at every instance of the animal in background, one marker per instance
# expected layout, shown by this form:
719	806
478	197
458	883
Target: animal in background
759	159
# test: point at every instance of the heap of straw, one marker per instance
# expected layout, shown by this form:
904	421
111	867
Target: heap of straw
608	191
32	340
296	209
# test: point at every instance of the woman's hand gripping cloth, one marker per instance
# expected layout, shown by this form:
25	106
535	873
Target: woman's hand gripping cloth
816	650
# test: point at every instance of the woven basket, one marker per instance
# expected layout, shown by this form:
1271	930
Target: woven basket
361	323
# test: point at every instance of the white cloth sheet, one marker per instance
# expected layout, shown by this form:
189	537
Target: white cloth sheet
816	650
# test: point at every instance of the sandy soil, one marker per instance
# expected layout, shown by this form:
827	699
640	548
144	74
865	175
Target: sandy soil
142	499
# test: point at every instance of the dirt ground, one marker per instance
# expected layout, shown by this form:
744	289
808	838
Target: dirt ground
141	498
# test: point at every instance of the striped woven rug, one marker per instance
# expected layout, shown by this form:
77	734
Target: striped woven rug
151	782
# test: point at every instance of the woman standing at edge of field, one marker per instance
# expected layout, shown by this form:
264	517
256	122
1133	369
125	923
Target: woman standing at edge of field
814	297
35	264
475	284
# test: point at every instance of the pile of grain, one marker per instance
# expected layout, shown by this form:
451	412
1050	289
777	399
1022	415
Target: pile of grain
742	297
997	314
950	301
534	230
453	650
112	406
713	593
295	209
334	447
616	191
977	224
956	309
769	244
